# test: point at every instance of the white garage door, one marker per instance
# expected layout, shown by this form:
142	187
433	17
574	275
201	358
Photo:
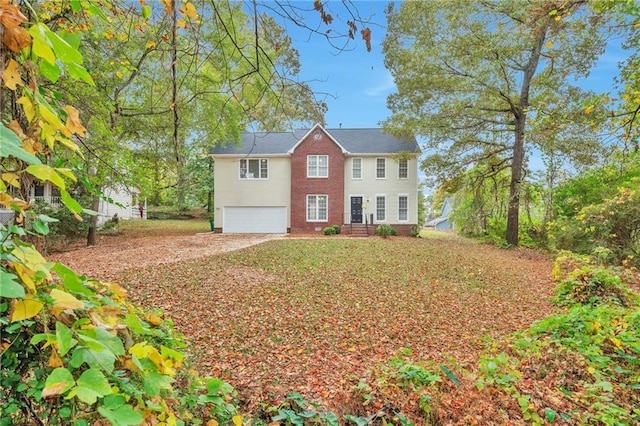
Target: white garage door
254	220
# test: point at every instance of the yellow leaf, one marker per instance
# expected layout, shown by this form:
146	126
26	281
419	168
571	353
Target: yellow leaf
54	360
30	146
119	74
73	120
71	145
50	117
237	420
549	45
11	75
615	341
12	179
26	276
167	6
5	199
596	325
66	173
191	10
23	309
64	300
144	350
128	364
150	45
181	23
47	132
45	172
117	290
212	423
589	109
153	318
28	107
32	259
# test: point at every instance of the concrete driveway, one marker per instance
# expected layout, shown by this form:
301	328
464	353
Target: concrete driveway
114	255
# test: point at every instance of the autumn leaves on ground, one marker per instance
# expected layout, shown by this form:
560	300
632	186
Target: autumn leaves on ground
324	316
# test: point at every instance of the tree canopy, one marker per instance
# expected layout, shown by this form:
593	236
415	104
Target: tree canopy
479	80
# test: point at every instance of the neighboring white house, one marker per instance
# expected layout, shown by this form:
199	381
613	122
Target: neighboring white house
117	199
123	201
305	180
443	222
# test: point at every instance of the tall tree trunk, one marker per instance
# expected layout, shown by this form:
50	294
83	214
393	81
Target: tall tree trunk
177	151
520	115
513	209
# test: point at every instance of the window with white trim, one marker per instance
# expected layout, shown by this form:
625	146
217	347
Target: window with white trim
403	208
381	168
356	168
381	208
318	166
254	168
317	208
403	169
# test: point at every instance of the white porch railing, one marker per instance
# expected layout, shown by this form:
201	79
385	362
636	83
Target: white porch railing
137	214
52	201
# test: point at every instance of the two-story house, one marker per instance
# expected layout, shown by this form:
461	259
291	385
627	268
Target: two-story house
305	180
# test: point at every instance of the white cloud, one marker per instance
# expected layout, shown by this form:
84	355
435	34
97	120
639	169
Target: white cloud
383	88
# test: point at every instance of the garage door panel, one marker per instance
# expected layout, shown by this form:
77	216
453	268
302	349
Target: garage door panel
254	220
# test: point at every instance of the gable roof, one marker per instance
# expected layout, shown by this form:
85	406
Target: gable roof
353	141
317	129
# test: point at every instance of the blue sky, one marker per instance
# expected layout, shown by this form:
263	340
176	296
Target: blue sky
357	82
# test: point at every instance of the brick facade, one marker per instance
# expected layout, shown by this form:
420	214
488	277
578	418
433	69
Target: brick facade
301	185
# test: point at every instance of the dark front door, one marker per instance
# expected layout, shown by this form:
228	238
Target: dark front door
356	209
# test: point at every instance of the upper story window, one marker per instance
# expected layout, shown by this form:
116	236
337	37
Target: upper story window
318	166
251	168
403	169
356	168
381	168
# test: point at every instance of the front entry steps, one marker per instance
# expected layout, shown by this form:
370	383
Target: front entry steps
357	230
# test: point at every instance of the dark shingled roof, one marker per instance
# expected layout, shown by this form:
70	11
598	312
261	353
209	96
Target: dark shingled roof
355	141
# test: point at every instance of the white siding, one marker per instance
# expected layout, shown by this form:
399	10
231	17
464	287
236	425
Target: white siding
369	186
119	195
231	191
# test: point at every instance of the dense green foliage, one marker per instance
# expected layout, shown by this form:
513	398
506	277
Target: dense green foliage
74	351
598	212
581	365
385	230
79	352
331	230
